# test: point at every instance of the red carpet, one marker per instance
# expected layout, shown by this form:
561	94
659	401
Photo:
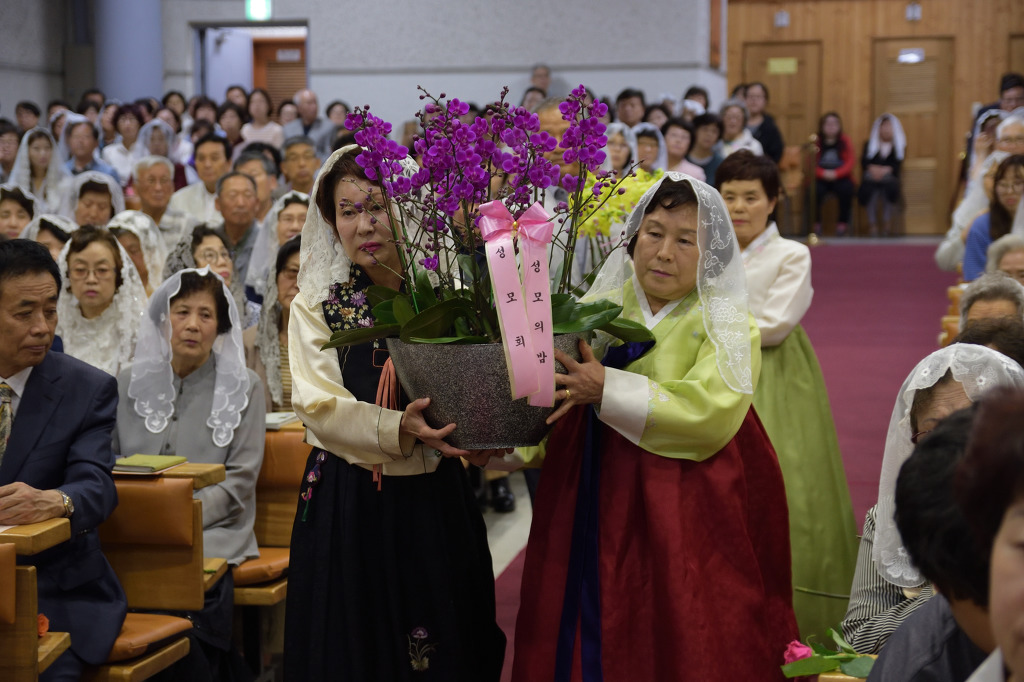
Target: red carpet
876	313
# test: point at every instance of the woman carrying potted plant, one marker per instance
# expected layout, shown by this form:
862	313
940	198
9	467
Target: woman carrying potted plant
660	546
390	572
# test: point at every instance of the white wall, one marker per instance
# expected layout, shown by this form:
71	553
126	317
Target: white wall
470	49
31	52
378	53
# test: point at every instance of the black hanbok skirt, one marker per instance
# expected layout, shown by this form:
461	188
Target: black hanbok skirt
391	584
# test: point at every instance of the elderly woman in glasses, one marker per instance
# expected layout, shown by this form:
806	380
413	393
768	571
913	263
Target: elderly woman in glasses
98	315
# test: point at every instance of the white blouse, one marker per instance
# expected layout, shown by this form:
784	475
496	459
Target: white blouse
778	284
361	433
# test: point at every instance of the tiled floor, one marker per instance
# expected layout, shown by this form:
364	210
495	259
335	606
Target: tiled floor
507	533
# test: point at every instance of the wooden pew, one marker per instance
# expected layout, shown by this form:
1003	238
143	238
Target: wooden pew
23	653
263	582
154	541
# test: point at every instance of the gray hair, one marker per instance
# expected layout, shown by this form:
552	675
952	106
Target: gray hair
992	286
147	162
245	157
296	140
740	104
1001	247
1011	120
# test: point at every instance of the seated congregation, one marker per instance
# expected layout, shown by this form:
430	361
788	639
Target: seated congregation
171	270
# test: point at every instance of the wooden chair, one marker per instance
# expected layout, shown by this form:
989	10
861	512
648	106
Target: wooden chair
23	653
950	329
263	582
154	541
955	293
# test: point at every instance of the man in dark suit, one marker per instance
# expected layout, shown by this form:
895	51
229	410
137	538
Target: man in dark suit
56	418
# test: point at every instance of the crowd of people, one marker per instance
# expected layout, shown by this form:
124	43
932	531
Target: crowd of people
170	270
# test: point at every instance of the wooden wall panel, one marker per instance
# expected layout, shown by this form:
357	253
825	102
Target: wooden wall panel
981	31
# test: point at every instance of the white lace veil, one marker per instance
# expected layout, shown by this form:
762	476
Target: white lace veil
108	349
661	162
31	230
977	369
57	175
899	138
73	119
975	200
987	116
721	280
151	388
141	147
322	258
619	128
153	250
181	258
71	199
37	206
264	253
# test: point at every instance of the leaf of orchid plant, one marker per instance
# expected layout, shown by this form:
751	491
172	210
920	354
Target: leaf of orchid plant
587	322
436	320
350	337
627	330
452	339
384	312
377	294
403	310
425	296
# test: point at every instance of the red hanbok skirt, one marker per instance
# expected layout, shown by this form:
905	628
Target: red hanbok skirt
686	565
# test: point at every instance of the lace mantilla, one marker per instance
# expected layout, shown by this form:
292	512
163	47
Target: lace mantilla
977	369
721	280
152	379
107	342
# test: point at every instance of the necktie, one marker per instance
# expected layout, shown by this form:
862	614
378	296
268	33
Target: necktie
6	417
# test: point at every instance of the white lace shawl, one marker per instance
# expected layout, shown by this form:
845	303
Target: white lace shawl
899	138
153	250
264	253
978	369
151	388
721	280
57	182
141	148
71	198
107	342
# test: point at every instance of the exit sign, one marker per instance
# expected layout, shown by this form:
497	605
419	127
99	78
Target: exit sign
257	10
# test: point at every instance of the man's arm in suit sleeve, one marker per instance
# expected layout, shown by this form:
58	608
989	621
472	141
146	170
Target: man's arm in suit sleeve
87	478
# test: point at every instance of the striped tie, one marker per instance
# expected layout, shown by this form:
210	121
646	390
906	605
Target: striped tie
6	417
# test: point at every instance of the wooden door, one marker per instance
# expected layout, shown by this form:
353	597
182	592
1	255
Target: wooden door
792	73
912	79
1017	53
279	67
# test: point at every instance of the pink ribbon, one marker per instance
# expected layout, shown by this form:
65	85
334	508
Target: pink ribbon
535	233
496	228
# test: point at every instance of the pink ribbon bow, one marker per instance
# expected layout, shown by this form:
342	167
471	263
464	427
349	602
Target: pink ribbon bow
524	315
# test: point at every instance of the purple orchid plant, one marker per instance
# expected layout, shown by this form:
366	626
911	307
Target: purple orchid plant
433	206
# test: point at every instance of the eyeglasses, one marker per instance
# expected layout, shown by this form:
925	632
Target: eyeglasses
918	436
289	273
1016	140
1006	187
212	255
292	158
80	272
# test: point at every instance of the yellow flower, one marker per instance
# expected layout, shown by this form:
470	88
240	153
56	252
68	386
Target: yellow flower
616	207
